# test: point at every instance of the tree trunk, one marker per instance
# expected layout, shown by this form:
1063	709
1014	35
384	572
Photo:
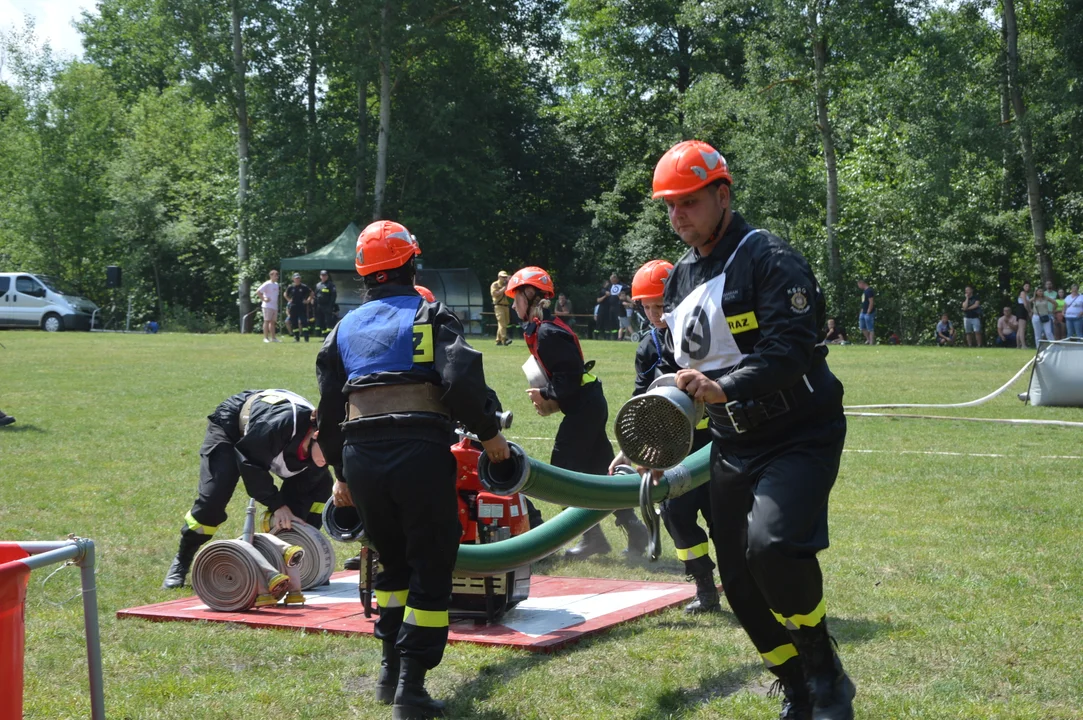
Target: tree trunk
244	301
684	70
1034	193
362	133
823	123
1005	124
385	112
313	139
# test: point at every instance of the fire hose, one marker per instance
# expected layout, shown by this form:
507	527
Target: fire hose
260	569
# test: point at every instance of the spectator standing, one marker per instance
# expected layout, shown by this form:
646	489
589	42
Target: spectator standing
601	312
945	331
1060	328
1024	309
1042	319
1073	312
611	306
835	334
624	316
972	317
866	321
268	295
299	296
501	306
326	297
1009	328
563	309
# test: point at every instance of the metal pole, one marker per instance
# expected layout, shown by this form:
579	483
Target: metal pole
128	322
35	546
67	551
90	621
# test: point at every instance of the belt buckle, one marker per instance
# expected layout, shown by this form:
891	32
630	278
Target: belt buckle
733	418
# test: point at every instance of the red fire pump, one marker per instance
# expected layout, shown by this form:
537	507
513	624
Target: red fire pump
485	518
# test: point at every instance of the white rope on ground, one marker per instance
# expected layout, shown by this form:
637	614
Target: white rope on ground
962	454
1009	421
972	403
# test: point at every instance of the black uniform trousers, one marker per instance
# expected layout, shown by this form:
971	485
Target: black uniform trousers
403	483
681	518
325	319
304	493
298	316
769	520
581	443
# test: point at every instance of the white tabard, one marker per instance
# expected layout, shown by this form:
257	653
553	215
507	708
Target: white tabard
701	336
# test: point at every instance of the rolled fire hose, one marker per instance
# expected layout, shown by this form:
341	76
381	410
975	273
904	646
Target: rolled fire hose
342	523
318	561
286	559
231	576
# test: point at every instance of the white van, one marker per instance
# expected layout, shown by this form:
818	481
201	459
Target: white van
29	300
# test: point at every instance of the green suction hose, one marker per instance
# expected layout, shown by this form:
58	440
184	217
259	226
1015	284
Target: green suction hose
533	545
599	492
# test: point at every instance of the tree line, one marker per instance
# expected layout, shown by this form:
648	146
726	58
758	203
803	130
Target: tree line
919	145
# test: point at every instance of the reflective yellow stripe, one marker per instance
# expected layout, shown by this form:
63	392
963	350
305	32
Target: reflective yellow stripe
588	378
702	424
425	618
195	526
811	620
779	655
391	598
693	552
742	323
317	508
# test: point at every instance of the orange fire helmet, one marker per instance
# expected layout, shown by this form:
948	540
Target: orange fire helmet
650	280
425	293
531	275
384	245
687	167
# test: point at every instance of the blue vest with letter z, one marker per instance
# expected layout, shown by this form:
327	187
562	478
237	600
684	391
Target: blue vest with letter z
380	336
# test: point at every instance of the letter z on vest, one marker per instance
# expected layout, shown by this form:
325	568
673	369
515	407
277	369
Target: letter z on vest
380	336
742	323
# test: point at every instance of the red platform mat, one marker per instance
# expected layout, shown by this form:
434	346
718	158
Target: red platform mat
559	611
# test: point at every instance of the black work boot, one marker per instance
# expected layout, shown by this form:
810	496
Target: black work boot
353	563
412	701
593	542
706	599
638	535
388	682
796	703
178	571
830	688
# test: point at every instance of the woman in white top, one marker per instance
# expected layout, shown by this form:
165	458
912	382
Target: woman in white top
1073	312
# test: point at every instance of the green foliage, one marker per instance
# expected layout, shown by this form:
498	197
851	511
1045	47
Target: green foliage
525	132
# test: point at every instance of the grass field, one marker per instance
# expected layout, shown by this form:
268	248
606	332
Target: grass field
954	580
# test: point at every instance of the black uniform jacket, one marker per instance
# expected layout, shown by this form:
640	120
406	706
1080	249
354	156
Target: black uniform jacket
326	294
270	445
649	364
775	311
456	368
559	353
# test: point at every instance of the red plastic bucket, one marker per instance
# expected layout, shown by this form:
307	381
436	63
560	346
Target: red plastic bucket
14	576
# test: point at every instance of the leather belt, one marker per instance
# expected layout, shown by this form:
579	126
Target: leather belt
744	415
388	399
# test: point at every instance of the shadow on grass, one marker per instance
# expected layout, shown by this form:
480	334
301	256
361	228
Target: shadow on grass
718	685
20	427
491	677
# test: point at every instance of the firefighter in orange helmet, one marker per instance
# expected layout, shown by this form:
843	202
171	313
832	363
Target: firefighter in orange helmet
654	357
392	374
569	387
746	316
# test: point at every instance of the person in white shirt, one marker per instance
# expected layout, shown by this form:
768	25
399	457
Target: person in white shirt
1073	312
268	293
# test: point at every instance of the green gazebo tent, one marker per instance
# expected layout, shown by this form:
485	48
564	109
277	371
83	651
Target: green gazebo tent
336	255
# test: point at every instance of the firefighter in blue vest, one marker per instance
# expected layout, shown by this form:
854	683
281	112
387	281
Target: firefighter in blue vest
569	387
654	357
394	375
